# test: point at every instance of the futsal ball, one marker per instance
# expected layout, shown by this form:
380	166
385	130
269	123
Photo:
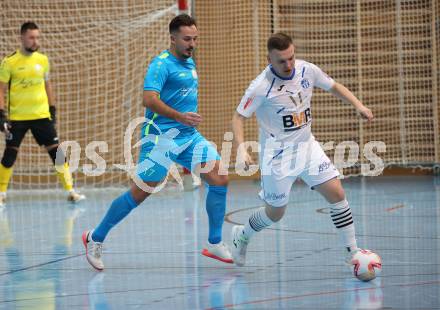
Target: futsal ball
366	265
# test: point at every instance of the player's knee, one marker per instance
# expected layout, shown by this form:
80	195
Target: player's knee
221	180
140	194
56	154
337	195
52	146
9	156
275	213
216	179
332	191
276	218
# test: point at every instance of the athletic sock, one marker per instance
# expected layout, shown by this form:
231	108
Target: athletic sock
119	209
340	214
257	222
215	207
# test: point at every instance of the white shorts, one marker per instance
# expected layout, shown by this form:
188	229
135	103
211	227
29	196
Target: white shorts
309	163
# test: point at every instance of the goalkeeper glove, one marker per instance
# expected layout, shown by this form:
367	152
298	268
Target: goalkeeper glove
4	124
53	116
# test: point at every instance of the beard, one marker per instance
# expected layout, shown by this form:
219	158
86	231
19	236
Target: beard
189	53
31	49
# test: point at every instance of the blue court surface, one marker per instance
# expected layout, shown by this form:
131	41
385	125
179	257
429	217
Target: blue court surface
153	258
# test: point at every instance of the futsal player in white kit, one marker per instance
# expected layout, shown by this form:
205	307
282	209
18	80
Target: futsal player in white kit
280	97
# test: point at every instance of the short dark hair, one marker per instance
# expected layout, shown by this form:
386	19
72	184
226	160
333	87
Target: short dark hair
28	26
279	41
181	20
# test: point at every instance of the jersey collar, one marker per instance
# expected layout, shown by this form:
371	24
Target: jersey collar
20	52
280	77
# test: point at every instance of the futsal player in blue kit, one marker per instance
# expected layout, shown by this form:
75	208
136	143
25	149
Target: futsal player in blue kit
170	135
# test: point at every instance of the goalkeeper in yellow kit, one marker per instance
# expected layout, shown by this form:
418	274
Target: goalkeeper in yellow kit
24	75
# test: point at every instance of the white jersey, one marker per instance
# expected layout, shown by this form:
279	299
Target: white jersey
282	105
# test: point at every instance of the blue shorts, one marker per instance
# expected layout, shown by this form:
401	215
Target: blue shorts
158	152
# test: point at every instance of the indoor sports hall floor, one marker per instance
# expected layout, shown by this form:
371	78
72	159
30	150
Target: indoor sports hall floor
153	262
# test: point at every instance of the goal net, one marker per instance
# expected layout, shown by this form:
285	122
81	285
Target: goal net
384	51
99	51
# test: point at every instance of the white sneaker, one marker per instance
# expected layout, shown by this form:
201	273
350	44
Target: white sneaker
75	197
218	251
349	256
93	250
2	199
239	245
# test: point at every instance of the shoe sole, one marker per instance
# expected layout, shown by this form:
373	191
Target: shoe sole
206	253
84	239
